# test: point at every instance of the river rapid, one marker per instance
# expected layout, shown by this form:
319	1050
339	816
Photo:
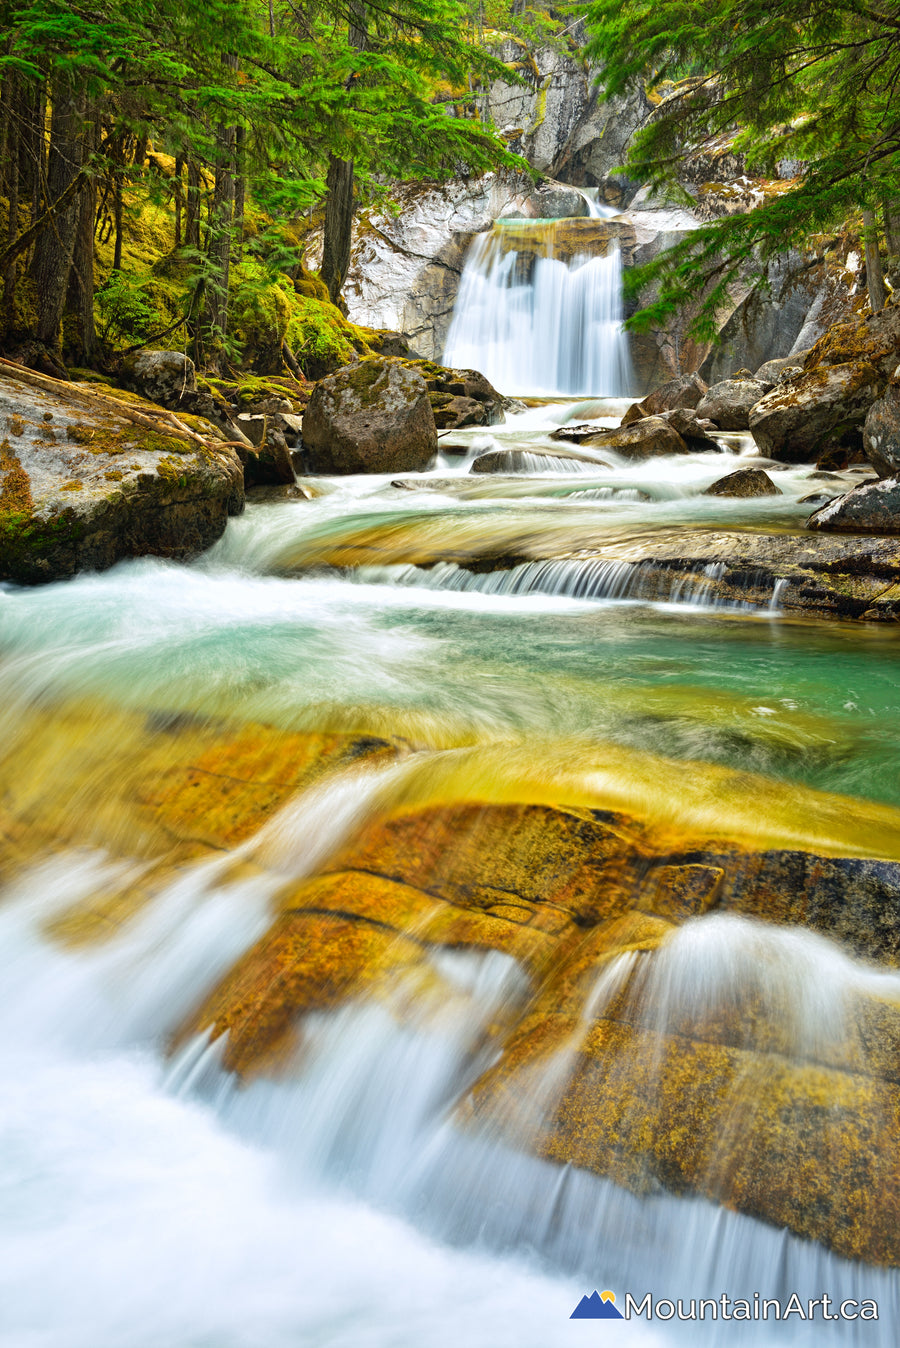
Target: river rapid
148	1201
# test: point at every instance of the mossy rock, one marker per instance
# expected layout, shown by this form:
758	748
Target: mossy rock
82	486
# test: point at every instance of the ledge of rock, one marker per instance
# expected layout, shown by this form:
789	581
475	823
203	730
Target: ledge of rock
87	479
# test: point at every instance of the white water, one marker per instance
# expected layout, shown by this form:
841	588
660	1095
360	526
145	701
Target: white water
152	1208
556	329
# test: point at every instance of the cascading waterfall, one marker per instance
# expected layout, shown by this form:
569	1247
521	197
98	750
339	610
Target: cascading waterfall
537	317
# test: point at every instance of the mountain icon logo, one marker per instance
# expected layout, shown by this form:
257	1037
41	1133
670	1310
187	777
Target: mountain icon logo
598	1306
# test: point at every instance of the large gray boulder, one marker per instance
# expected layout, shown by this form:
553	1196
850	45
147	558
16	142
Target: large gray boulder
881	432
372	417
688	390
728	403
795	419
86	481
163	377
872	508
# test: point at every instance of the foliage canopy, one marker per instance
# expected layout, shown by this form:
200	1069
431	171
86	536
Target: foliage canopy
816	82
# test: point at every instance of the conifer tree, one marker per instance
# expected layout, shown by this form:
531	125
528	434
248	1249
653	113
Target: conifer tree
816	82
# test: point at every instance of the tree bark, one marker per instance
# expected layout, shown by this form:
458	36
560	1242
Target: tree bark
55	244
338	230
80	300
179	198
338	226
874	274
892	228
192	210
221	237
11	186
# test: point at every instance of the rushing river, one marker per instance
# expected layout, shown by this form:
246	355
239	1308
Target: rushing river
147	1201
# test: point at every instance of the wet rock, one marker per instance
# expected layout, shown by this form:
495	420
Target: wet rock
745	482
645	439
871	508
816	498
526	461
693	431
163	377
271	464
373	417
795	420
881	432
688	390
460	397
728	403
452	413
86	481
634	413
651	1110
576	433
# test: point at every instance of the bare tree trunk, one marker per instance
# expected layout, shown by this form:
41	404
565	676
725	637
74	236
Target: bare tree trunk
874	274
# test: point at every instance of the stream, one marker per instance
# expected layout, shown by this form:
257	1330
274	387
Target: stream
151	1202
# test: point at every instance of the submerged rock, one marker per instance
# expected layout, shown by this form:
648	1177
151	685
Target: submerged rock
744	482
86	480
373	417
604	1067
728	403
644	439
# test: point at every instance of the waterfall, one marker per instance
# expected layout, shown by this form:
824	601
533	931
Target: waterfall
539	309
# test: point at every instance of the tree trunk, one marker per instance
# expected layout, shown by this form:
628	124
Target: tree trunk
339	202
338	226
11	187
221	236
874	275
56	242
892	228
80	300
192	211
179	198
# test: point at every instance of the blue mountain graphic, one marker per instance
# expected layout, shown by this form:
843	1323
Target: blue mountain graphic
594	1308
